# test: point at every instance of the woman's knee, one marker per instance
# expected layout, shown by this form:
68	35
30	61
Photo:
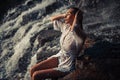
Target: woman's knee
37	76
32	70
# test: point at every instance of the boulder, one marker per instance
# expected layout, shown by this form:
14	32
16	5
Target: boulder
99	62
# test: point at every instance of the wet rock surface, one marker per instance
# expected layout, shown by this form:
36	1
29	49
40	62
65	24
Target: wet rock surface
49	41
100	62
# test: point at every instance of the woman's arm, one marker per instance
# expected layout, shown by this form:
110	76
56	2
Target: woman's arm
79	34
60	16
77	25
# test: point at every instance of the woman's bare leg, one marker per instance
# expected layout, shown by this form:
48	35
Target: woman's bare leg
47	73
46	64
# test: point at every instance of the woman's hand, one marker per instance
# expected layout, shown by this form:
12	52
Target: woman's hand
60	16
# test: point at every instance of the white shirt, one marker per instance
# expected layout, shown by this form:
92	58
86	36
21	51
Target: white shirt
69	46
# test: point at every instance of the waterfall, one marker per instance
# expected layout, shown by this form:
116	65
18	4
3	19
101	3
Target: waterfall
22	25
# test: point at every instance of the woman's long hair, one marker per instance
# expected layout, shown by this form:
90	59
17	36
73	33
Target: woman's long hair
88	42
75	10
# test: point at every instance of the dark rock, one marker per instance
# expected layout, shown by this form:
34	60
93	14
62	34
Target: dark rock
5	5
51	39
104	49
51	8
100	62
47	36
49	49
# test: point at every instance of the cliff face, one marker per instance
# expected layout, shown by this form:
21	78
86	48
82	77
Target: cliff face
27	37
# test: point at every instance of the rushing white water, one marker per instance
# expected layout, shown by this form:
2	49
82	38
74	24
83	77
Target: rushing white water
33	61
16	39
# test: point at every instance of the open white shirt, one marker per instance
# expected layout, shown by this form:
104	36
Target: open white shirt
69	47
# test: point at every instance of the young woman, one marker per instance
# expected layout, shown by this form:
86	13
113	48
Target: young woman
71	41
